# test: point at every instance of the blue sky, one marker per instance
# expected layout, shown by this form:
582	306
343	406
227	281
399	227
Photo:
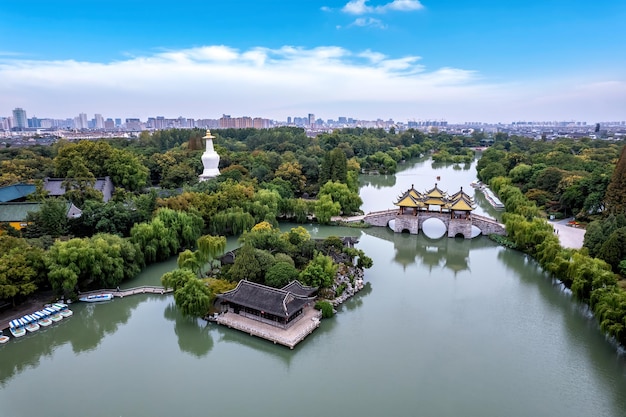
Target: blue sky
493	61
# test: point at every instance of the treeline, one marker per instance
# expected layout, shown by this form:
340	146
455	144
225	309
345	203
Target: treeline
591	273
159	208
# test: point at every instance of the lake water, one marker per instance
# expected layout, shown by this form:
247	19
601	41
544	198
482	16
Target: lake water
445	327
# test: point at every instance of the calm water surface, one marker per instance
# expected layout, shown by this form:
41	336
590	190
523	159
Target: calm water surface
444	327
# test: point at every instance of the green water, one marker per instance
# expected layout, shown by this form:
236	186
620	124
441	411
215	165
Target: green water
444	327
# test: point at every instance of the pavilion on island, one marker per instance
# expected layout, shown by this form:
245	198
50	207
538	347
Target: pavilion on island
459	205
277	307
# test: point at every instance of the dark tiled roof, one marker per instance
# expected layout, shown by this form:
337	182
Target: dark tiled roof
297	288
15	192
270	300
55	188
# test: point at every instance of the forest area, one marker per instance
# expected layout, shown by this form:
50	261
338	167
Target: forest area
159	209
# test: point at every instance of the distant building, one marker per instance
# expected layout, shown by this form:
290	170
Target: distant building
20	121
15	214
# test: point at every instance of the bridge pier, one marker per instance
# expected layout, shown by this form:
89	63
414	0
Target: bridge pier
460	227
410	223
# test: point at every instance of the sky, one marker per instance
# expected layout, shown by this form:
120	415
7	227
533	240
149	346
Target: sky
455	60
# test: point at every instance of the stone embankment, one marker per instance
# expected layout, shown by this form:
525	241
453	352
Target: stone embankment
351	279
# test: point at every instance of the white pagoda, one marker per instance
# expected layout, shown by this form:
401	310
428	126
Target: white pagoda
210	159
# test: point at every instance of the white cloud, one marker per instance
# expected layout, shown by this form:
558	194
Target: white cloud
359	7
208	81
368	22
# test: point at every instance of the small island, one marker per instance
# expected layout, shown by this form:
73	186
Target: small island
277	286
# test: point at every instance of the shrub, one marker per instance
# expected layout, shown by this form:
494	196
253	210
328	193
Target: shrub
326	308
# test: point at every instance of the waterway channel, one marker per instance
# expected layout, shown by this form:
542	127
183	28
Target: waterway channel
445	327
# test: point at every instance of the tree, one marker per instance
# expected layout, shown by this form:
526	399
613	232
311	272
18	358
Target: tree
17	277
616	190
325	209
280	274
177	278
193	299
292	173
51	219
126	170
349	201
613	250
320	272
334	167
246	265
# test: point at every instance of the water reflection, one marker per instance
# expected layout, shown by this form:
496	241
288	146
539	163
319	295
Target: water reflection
448	253
455	166
377	181
100	319
192	334
95	321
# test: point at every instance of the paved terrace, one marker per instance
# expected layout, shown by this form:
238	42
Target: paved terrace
308	321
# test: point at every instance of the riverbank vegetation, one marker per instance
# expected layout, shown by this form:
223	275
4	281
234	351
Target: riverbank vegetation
584	178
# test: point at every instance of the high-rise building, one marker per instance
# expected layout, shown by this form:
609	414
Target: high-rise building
311	119
20	121
99	121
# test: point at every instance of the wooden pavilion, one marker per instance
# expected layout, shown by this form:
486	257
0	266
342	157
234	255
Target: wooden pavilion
278	307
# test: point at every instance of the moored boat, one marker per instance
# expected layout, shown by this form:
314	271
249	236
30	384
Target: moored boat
3	338
16	327
53	313
63	310
31	323
42	318
97	298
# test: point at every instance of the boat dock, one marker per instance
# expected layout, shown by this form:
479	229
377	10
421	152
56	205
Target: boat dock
147	289
309	321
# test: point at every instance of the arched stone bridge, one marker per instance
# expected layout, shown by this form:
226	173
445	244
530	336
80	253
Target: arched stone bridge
454	226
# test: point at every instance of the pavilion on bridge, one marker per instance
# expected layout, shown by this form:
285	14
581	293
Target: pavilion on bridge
459	204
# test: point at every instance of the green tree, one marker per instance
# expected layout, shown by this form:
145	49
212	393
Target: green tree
126	170
280	274
320	272
177	278
349	201
193	299
246	265
616	190
51	219
17	277
325	209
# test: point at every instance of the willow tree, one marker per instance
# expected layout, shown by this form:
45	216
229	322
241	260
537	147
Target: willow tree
194	298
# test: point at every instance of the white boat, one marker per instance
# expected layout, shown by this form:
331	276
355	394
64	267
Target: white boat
63	310
97	298
42	318
16	327
3	338
31	323
53	313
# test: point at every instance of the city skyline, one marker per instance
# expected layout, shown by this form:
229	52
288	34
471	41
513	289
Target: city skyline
400	59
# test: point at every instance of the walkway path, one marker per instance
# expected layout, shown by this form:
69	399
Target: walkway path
570	237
